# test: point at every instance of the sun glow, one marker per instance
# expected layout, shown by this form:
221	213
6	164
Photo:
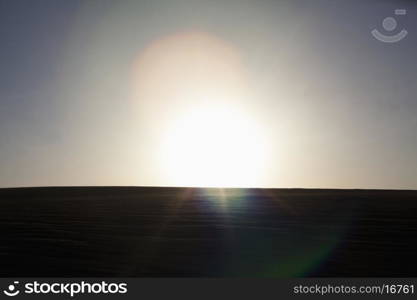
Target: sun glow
214	146
195	99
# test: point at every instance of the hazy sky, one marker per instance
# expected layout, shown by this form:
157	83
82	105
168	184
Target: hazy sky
89	89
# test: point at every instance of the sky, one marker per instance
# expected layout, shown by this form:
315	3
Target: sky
263	93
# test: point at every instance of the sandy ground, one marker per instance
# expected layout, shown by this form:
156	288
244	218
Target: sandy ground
177	232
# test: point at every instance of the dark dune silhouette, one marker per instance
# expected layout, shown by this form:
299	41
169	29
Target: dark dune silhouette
176	232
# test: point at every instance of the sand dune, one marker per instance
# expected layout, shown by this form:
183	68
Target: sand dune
164	232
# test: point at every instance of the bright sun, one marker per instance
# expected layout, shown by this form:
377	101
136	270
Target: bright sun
193	91
214	146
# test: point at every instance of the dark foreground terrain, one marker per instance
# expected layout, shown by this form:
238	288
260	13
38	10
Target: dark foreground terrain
164	232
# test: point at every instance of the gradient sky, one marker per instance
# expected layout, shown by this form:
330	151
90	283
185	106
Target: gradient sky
339	107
